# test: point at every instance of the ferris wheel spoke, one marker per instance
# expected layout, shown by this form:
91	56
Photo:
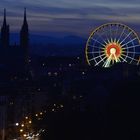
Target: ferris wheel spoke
99	56
116	33
111	34
134	46
124	60
109	41
102	39
126	37
121	34
98	42
91	60
95	46
129	41
112	40
129	57
102	60
133	52
105	32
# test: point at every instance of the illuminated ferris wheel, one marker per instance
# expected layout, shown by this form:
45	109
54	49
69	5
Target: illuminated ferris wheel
112	43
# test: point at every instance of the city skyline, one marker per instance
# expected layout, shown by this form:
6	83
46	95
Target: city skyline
70	17
58	80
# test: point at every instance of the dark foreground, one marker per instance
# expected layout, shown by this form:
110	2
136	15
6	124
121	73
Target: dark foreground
114	116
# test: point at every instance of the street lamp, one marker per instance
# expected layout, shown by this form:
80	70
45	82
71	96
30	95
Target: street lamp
17	124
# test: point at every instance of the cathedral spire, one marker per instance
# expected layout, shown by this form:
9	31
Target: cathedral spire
5	32
24	37
25	19
24	32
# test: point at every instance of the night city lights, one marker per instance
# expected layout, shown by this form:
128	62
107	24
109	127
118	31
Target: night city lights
69	70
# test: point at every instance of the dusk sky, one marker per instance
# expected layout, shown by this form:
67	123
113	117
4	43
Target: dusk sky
77	17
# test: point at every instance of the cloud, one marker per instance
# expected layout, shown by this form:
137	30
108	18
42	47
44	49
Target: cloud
69	16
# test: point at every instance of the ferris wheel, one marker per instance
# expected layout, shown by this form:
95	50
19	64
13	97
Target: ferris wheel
113	43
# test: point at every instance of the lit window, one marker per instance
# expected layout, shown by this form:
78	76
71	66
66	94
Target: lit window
83	73
49	74
22	125
24	135
21	130
43	64
70	65
17	124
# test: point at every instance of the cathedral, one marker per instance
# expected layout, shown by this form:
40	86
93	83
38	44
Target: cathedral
17	54
13	63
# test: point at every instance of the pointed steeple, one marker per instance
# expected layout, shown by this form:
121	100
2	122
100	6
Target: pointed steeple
5	32
24	37
24	32
25	19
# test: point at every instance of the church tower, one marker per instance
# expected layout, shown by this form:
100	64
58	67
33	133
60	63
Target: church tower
24	38
24	33
5	32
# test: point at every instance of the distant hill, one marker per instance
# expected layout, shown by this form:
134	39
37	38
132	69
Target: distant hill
53	45
47	39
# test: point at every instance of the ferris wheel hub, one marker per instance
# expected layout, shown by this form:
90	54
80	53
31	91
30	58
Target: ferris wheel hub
112	50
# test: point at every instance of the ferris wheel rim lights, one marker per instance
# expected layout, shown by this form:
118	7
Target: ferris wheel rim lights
117	44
